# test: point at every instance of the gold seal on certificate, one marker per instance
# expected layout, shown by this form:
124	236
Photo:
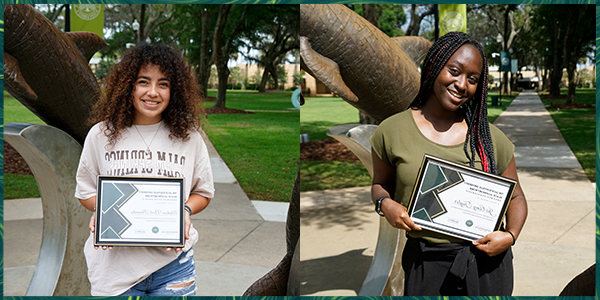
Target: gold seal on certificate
459	201
139	211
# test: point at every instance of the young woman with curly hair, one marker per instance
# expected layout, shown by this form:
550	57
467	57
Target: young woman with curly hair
447	119
147	125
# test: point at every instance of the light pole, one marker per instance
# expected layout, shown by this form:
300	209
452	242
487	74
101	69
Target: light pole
136	27
499	40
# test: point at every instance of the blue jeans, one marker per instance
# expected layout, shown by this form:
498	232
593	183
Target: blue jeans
178	278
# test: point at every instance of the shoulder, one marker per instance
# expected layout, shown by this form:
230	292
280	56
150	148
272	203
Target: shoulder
497	135
196	136
96	132
504	149
393	122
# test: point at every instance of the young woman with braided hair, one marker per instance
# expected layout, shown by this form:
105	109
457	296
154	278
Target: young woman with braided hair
447	119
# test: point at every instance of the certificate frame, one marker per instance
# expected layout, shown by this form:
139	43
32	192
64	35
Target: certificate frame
474	203
139	211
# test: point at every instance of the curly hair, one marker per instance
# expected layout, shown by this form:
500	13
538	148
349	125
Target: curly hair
478	135
116	107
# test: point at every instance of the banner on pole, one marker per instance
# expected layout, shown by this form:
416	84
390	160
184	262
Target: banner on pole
453	17
505	61
88	17
514	66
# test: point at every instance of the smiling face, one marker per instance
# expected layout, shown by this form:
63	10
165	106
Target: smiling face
458	79
151	95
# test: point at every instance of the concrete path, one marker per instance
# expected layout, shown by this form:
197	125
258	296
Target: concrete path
339	227
240	240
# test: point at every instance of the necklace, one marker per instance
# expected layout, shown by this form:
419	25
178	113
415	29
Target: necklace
147	145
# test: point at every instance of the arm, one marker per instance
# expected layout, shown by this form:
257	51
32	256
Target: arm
498	241
90	204
384	182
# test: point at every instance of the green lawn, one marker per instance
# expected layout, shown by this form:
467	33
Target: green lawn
578	127
321	113
20	186
261	149
15	112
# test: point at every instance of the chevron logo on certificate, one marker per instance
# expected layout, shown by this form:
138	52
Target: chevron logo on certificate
139	211
459	201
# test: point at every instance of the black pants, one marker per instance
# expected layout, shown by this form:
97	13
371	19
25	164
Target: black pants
455	269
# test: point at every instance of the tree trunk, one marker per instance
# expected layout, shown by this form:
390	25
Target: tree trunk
505	84
570	60
263	81
220	56
557	67
141	33
415	19
544	86
221	52
265	78
205	61
223	72
370	13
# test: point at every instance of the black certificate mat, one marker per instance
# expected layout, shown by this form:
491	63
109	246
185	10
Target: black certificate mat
139	211
457	200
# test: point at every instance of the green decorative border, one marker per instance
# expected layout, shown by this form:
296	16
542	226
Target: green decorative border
597	142
291	2
294	1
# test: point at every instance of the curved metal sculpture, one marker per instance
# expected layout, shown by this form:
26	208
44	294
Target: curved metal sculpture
53	157
375	73
47	70
378	75
385	276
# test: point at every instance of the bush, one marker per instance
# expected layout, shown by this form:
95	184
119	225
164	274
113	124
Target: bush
237	86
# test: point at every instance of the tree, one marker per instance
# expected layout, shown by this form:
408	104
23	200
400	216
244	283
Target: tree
119	20
54	13
579	40
501	16
222	46
275	35
235	76
297	79
281	76
417	14
389	18
195	27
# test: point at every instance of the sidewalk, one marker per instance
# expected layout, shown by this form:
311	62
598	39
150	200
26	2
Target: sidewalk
239	240
339	227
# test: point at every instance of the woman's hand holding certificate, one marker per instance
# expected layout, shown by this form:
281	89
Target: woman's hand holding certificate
396	214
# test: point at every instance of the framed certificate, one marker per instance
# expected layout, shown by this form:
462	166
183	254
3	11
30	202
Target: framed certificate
459	201
139	211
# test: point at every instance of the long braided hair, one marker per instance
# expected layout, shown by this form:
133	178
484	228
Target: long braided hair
478	135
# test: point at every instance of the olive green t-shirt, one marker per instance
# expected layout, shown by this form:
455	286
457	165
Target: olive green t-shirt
401	145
